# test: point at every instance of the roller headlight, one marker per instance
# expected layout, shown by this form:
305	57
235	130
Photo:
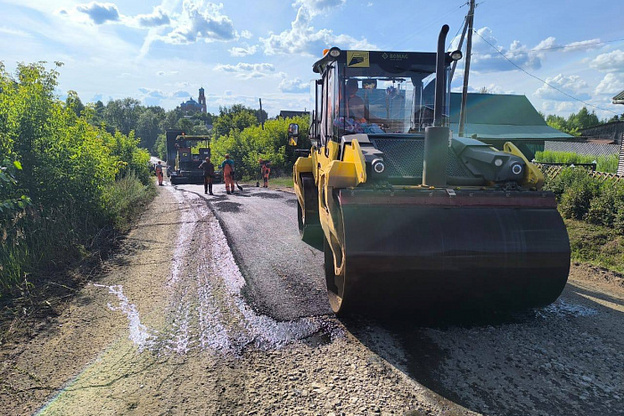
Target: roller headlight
378	166
516	169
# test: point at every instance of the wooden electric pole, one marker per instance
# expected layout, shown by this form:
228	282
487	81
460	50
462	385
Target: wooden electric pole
462	113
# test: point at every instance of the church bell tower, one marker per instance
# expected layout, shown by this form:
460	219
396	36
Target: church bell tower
202	100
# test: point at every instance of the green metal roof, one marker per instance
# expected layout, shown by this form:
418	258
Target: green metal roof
502	117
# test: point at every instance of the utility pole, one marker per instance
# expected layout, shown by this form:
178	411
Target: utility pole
462	113
459	47
261	114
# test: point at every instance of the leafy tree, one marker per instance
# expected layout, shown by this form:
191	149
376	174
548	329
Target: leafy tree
56	170
582	120
149	126
122	115
558	122
236	117
253	143
73	102
574	123
95	113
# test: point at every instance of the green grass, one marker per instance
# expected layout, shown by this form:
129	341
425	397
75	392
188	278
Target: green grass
597	245
126	198
57	240
606	164
278	181
285	181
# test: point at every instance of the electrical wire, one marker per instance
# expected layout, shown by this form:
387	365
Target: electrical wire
541	80
423	27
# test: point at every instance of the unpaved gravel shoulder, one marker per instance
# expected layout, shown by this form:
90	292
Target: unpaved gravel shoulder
31	373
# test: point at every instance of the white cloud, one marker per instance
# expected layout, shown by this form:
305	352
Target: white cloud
582	45
548	43
571	85
166	73
611	84
316	7
153	93
100	13
245	34
246	71
201	21
294	85
609	62
241	51
488	57
158	17
491	89
302	37
15	32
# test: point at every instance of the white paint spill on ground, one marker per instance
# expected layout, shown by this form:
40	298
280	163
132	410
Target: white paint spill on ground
562	308
207	309
183	239
140	335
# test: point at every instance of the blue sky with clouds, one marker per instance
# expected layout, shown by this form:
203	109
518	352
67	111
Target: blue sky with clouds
162	52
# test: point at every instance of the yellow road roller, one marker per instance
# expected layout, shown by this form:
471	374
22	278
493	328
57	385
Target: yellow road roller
409	216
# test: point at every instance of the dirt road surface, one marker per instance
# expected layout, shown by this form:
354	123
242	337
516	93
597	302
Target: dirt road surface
214	306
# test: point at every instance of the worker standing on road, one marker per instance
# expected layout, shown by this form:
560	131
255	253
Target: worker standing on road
159	173
208	175
265	170
228	174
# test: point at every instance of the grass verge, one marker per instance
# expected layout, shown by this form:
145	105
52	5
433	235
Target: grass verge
45	288
596	245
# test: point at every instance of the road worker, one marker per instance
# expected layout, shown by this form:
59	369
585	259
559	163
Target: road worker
265	170
209	172
227	166
159	173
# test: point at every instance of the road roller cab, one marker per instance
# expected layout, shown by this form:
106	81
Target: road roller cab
409	216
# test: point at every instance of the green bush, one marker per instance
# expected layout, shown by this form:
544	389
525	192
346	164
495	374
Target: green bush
126	198
566	178
246	147
607	164
13	210
63	179
596	244
577	198
607	208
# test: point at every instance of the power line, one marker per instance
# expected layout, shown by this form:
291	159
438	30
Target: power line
601	43
541	80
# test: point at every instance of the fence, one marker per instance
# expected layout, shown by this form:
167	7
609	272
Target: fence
553	169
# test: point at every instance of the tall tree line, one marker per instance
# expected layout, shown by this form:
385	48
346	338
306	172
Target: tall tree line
576	122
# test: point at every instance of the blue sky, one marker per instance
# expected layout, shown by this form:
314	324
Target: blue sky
162	52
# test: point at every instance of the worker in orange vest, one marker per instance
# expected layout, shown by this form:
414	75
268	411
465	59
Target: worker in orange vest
265	170
159	173
228	174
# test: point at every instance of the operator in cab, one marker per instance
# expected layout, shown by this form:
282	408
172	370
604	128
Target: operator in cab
355	105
